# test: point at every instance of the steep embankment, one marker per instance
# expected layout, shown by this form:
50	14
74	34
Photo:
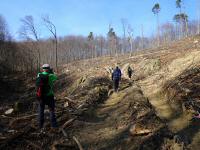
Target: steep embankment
169	90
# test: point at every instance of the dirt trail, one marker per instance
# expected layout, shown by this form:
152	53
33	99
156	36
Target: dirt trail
107	126
102	126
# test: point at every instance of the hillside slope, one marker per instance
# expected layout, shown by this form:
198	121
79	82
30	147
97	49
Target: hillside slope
153	110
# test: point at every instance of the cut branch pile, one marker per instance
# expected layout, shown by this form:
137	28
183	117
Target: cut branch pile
21	131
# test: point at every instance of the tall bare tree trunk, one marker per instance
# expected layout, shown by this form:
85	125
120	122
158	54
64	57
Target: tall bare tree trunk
101	46
181	26
124	24
142	32
177	32
198	28
198	17
52	28
185	21
131	44
186	24
158	30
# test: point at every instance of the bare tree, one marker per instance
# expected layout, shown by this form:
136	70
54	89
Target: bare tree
168	32
52	28
3	31
5	50
183	17
112	40
156	10
130	38
178	5
91	44
4	34
124	27
198	16
142	32
12	56
29	31
101	43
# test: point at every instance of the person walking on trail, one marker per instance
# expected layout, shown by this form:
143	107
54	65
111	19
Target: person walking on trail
116	77
129	71
45	95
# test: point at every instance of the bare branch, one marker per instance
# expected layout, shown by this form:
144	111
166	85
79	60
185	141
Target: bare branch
50	26
29	27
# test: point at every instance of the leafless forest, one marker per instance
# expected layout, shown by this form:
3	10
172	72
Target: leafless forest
28	53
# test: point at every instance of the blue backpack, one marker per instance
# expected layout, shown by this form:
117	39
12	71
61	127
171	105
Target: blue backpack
116	74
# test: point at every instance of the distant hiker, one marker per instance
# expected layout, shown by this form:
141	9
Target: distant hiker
45	95
116	77
129	71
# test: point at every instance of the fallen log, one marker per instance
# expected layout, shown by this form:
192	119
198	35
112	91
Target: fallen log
64	133
81	106
17	120
139	130
70	100
7	117
27	117
9	111
78	143
68	122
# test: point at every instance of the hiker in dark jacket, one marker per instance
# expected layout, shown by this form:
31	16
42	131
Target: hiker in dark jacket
116	77
129	71
45	94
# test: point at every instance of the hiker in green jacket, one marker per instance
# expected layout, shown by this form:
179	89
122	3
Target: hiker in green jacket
45	94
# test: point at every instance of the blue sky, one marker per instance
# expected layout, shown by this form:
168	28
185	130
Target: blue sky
79	17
